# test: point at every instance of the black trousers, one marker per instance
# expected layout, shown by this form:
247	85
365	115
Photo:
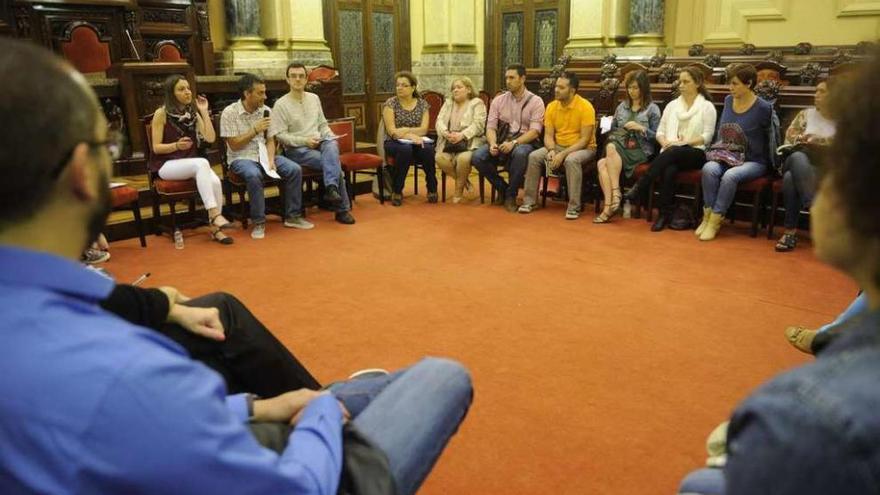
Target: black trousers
251	359
665	166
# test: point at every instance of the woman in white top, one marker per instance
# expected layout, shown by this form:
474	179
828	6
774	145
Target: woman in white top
809	129
686	127
461	128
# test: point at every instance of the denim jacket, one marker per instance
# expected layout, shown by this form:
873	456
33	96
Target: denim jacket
648	117
816	429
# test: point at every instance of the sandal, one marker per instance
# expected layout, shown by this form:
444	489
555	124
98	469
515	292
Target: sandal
218	236
604	217
801	338
616	205
227	225
786	243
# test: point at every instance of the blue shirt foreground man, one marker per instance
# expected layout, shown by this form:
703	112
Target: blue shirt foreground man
92	404
816	429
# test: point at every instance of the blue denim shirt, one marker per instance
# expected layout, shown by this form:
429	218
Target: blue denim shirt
90	403
816	429
648	116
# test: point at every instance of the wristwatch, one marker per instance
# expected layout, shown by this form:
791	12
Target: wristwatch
249	399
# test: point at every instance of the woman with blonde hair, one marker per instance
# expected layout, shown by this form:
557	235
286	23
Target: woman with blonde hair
461	128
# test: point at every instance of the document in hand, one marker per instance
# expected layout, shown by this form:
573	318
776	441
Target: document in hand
425	139
264	160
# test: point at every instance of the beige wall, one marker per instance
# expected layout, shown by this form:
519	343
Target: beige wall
217	18
441	30
770	22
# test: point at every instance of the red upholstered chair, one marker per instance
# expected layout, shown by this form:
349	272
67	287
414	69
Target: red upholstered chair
170	191
322	73
85	50
756	188
692	178
353	162
126	198
435	103
168	51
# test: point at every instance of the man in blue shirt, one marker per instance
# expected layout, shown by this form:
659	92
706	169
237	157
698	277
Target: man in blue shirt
815	430
90	403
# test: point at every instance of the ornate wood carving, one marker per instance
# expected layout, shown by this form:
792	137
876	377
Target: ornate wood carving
696	50
658	60
667	73
155	44
609	70
608	87
774	56
810	74
63	29
712	60
23	21
865	47
841	57
728	69
132	25
803	48
609	59
747	49
167	16
548	82
768	89
204	24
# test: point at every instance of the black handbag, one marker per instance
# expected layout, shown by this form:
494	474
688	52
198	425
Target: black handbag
502	133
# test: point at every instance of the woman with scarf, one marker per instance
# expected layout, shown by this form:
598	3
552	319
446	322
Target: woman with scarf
177	128
686	127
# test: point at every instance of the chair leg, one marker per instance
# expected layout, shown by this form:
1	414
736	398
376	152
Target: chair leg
482	181
545	180
171	204
156	218
350	177
756	205
443	185
649	215
136	211
381	181
415	179
242	209
774	204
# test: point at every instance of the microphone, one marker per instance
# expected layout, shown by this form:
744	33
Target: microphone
265	116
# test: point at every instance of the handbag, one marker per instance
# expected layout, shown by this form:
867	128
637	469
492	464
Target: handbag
502	133
458	147
682	218
624	138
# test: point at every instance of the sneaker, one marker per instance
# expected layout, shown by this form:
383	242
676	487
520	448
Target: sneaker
93	256
367	373
510	205
572	214
344	217
331	195
298	222
525	208
259	231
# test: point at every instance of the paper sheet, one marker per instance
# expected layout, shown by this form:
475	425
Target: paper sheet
605	123
264	160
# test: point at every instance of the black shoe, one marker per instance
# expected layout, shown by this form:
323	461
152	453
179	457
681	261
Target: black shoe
510	205
432	197
344	217
331	195
662	221
396	199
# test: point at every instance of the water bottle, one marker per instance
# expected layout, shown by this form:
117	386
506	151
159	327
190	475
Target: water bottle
178	239
627	209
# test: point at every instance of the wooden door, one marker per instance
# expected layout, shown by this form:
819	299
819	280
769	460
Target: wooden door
370	42
528	32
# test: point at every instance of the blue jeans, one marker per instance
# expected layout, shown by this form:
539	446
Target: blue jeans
706	481
410	414
858	306
291	177
487	165
404	155
720	183
325	159
798	186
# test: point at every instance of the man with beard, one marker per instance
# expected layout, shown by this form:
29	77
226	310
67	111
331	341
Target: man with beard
94	404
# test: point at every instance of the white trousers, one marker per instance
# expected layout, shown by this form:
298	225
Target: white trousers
210	188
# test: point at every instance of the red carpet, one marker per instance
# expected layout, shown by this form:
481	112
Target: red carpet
602	355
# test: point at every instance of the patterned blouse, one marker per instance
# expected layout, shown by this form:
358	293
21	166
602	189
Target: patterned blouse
404	117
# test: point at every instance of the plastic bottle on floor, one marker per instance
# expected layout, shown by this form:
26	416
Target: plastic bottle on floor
178	239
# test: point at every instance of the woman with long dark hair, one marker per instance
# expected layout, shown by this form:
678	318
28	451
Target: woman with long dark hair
178	127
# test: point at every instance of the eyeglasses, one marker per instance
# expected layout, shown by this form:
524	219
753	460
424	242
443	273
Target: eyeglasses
402	85
111	144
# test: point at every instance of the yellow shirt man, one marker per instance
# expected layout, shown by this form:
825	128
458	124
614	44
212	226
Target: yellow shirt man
568	120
